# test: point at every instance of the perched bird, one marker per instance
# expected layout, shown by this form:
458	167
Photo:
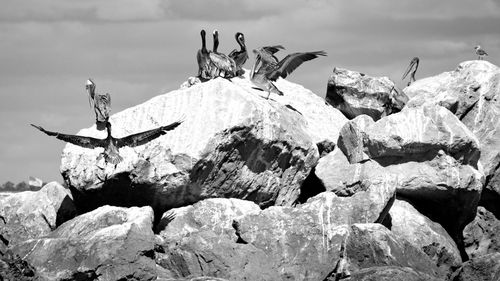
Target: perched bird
413	69
111	144
480	52
203	58
241	56
100	102
267	73
222	64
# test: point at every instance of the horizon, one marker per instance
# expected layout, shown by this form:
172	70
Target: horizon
136	50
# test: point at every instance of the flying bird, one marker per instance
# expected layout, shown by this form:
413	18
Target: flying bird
269	72
203	58
223	65
111	144
480	52
241	56
413	69
100	102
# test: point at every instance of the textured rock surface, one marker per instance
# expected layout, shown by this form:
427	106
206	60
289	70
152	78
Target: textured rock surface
233	143
391	273
482	235
109	243
424	234
472	92
32	214
413	132
483	268
355	93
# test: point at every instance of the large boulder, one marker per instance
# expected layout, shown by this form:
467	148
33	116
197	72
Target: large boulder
32	214
472	93
109	243
355	93
232	143
406	222
482	268
416	132
482	235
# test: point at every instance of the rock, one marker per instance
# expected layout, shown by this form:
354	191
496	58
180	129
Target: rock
355	93
482	235
472	93
32	214
109	243
391	273
35	183
199	240
233	143
424	234
412	133
483	268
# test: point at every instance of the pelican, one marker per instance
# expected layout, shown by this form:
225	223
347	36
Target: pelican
266	54
203	59
413	68
241	56
269	72
221	62
480	52
100	102
111	144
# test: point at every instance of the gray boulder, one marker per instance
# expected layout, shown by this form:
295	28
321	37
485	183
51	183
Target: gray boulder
482	235
406	222
109	243
32	214
355	93
482	268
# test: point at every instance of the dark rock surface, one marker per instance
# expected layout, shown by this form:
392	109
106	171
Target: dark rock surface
355	93
482	268
482	235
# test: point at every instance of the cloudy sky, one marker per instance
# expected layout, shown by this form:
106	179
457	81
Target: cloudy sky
137	49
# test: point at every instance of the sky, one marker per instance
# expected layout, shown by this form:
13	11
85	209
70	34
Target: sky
137	49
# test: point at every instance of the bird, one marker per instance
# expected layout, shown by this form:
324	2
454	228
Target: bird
110	144
241	56
267	73
100	102
413	66
203	59
222	64
480	52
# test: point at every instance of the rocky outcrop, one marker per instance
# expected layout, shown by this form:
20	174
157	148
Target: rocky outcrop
32	214
472	93
232	143
391	273
482	235
109	243
405	221
483	268
355	93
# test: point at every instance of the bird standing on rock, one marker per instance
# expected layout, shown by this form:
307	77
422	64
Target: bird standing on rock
111	144
270	69
101	104
241	56
480	52
413	66
203	58
222	64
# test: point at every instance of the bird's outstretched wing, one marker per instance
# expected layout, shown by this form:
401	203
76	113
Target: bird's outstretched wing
413	63
291	62
267	54
82	141
273	49
146	136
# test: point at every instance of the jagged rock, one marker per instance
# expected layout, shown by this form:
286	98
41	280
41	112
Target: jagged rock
355	93
472	93
109	243
483	268
391	273
413	132
32	214
423	233
482	235
233	143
